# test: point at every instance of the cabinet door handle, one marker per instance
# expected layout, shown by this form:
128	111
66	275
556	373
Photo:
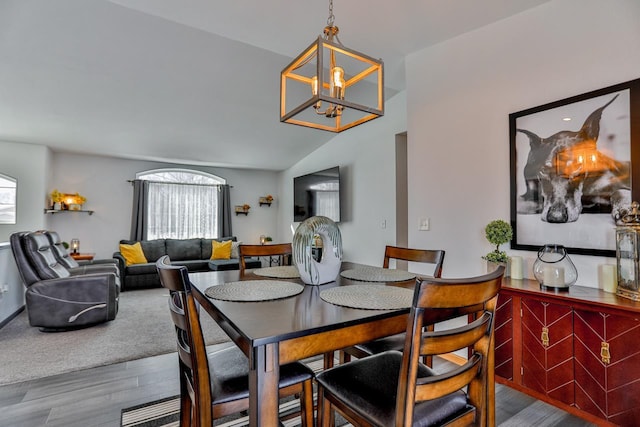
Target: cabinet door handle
544	337
605	354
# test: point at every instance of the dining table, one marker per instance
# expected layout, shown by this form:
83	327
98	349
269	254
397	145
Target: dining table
282	328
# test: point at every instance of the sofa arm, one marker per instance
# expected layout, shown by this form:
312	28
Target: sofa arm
119	258
98	261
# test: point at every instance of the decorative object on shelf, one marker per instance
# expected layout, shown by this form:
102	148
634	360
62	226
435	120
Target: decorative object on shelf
56	199
314	93
553	268
243	209
326	270
497	233
267	200
75	246
74	202
628	253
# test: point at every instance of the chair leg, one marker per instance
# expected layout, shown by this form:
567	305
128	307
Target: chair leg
344	357
325	414
328	360
306	404
186	411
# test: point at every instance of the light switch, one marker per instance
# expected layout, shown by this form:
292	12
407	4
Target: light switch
424	224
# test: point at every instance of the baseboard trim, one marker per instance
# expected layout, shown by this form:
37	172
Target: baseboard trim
10	318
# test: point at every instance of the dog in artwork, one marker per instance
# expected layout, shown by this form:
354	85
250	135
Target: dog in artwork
566	175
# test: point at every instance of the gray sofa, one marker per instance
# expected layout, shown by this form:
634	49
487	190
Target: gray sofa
195	254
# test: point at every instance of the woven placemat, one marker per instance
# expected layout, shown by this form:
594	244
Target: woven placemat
281	272
377	274
254	290
369	297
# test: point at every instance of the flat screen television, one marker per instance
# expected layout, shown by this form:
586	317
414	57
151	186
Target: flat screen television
317	194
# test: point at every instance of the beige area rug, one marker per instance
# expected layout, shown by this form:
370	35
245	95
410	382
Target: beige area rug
142	328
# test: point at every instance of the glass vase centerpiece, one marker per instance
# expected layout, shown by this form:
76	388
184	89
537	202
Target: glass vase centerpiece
325	270
553	268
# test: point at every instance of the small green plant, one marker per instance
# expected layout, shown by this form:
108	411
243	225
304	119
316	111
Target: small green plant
497	233
268	239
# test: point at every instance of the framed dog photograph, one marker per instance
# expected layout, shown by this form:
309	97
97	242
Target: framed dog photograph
575	168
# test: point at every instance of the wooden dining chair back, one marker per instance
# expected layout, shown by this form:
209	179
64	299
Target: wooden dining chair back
394	389
278	249
428	256
216	385
395	342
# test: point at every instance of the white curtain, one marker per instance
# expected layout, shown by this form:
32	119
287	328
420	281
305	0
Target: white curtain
182	211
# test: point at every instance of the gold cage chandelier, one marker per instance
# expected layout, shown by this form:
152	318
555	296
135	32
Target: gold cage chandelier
330	86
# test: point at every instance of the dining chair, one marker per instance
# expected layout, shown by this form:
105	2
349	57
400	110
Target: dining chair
217	384
278	249
396	342
394	389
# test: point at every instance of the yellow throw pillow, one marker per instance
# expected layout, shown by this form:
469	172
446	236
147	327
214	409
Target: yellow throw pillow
221	250
133	254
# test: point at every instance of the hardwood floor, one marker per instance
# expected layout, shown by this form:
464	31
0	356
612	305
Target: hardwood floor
95	397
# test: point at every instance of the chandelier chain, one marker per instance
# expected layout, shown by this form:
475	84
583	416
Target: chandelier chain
331	17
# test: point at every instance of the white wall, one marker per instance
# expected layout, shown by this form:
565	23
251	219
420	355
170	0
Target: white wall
103	181
366	156
29	165
459	96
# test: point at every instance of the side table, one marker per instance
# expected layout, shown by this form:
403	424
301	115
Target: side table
82	257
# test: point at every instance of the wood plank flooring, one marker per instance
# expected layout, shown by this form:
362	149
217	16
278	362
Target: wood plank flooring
95	397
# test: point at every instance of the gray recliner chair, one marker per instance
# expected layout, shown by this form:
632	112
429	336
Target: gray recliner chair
84	267
55	299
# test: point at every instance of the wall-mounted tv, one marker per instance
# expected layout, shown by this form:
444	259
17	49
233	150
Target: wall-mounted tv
317	194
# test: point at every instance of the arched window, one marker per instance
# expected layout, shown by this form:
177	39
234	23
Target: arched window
182	203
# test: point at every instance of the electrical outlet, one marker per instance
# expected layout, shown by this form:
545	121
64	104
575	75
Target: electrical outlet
383	224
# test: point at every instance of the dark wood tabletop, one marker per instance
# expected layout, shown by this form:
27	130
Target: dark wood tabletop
280	331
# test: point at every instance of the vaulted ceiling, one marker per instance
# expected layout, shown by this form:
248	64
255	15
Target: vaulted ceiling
194	81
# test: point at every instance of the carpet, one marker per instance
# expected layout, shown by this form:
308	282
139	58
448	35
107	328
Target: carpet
142	328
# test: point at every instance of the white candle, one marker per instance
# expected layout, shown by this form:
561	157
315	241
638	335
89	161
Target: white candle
516	267
608	278
553	276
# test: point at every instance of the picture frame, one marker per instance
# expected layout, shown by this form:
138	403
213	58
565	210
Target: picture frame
574	169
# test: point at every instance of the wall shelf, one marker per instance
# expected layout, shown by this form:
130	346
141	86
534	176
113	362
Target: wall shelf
55	211
265	201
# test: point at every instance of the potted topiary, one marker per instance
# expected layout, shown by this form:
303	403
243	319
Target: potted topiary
497	233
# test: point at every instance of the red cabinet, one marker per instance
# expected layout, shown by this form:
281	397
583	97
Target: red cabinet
547	349
578	350
504	337
607	366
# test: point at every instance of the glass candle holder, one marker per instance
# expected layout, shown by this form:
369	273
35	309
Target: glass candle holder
553	268
75	246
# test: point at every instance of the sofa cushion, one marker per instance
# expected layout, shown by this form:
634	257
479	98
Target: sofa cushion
153	249
224	264
136	269
235	249
183	249
221	250
207	246
133	254
194	265
232	264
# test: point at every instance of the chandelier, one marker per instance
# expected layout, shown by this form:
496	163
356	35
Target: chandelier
331	87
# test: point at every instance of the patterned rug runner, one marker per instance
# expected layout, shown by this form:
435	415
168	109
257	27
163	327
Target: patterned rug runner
165	412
